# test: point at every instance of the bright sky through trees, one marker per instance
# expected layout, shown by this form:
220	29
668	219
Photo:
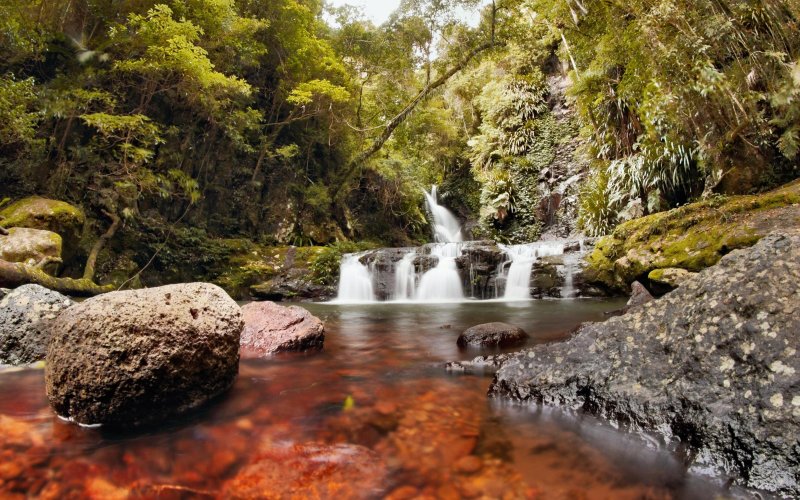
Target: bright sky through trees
377	11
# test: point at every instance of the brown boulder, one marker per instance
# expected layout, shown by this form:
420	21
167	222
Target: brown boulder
310	471
492	335
271	328
639	296
133	358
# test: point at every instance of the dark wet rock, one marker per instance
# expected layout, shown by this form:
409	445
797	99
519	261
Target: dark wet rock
270	328
482	365
492	335
546	281
293	285
310	471
639	296
134	358
25	317
712	366
666	280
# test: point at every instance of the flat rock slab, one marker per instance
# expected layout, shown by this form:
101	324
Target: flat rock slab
492	335
26	314
133	358
310	471
712	366
271	328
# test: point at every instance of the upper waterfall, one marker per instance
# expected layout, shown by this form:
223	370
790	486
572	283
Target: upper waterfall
446	228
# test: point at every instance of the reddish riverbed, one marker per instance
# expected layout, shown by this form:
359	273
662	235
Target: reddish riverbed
373	415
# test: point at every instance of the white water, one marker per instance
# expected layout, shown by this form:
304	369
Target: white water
442	283
355	280
518	279
446	228
405	277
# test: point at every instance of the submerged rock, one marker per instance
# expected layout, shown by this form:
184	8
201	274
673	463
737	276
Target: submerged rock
481	365
25	317
716	371
134	358
492	335
270	328
310	471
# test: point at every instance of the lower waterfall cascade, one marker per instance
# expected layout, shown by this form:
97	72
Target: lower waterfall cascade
453	270
461	271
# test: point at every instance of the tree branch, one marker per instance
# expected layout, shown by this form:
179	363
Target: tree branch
14	274
88	271
395	122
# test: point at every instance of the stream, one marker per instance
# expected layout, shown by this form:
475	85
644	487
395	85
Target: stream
379	383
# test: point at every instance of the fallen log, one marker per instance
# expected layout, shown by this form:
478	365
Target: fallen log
14	274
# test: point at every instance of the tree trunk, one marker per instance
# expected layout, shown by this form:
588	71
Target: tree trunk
14	274
88	271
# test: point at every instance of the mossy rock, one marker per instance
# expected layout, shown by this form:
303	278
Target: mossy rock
50	215
692	237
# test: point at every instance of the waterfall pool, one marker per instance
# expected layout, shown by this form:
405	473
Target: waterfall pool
379	383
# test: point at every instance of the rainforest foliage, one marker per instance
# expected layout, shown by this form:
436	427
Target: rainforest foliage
291	122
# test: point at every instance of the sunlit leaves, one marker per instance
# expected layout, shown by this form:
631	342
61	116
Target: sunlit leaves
18	118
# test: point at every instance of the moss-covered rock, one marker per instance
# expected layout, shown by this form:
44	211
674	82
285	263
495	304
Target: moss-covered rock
692	237
32	247
42	213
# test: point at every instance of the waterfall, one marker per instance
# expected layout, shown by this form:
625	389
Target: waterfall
355	280
518	279
442	283
446	228
405	277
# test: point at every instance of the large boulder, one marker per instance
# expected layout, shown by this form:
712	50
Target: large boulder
26	314
41	213
31	247
712	366
133	358
492	335
270	328
310	471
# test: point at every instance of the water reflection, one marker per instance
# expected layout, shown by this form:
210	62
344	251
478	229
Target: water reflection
378	386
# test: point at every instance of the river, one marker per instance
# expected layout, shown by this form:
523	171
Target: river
380	383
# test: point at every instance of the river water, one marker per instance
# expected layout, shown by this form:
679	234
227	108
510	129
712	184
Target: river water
379	384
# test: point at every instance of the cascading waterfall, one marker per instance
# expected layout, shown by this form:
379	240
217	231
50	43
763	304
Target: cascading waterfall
461	268
355	280
442	283
405	277
446	228
518	279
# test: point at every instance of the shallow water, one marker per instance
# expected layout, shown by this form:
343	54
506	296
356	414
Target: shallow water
380	384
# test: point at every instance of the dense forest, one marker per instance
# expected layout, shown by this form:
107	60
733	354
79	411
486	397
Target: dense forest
289	122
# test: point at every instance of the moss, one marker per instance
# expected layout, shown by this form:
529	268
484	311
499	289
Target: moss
41	213
692	237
